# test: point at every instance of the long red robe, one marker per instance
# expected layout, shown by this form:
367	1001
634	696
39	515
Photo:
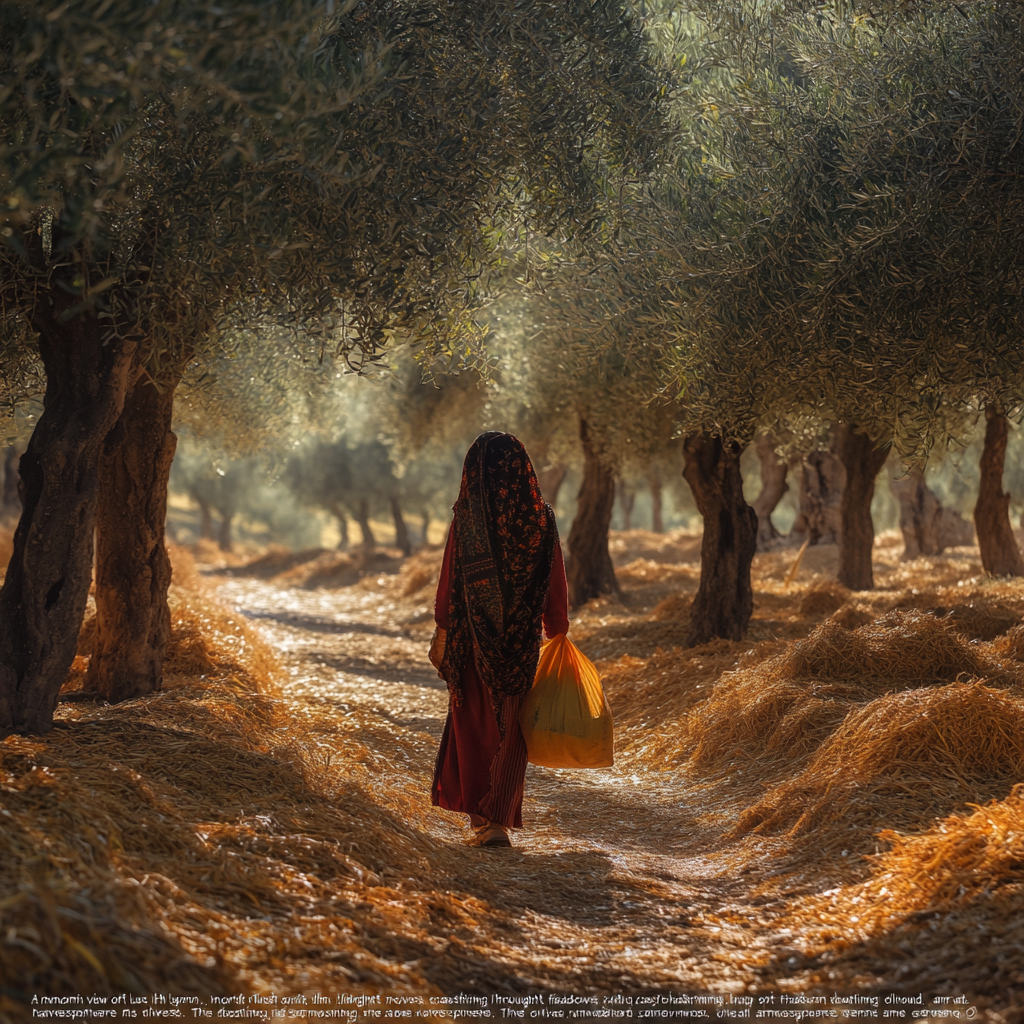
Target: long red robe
478	771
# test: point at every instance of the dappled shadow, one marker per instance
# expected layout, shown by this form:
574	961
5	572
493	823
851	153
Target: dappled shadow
273	563
584	887
225	833
639	639
968	948
87	896
364	667
314	624
420	723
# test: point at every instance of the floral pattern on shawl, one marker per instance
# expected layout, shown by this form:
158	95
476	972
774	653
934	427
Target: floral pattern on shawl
503	536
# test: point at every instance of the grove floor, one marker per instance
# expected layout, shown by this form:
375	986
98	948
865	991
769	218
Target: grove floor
285	842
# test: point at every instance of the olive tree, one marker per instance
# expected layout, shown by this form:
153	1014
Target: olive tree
837	238
174	168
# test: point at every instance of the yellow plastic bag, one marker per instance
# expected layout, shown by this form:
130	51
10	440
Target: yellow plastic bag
565	719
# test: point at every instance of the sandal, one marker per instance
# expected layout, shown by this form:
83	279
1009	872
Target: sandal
489	835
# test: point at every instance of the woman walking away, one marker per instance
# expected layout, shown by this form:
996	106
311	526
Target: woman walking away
502	575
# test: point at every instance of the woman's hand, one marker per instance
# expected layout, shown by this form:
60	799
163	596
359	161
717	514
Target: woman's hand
437	647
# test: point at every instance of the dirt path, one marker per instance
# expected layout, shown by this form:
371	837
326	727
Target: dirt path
606	889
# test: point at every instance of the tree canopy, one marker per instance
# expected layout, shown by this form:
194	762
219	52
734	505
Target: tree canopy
176	168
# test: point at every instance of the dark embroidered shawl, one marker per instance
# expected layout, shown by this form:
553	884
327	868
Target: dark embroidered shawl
503	536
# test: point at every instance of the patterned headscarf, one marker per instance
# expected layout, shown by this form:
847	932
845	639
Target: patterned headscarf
504	535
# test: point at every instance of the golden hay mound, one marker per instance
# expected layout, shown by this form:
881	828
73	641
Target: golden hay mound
190	843
853	615
420	571
184	570
945	906
208	552
208	643
341	568
211	642
955	860
673	608
984	621
334	568
276	560
1011	645
780	710
647	693
901	760
776	722
981	619
823	598
902	646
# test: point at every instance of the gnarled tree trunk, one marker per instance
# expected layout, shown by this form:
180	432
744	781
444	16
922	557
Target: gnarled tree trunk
725	599
862	462
206	519
402	541
10	503
657	518
551	478
133	572
224	538
822	481
42	603
362	517
928	528
589	570
339	513
773	487
1000	555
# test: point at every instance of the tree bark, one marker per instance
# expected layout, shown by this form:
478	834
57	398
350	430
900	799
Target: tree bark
862	462
725	598
224	538
627	500
589	571
657	519
426	527
402	541
773	487
928	528
10	502
362	517
551	479
822	482
1000	555
206	517
42	603
339	513
133	571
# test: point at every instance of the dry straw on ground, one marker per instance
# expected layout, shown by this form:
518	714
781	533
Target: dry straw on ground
674	548
942	912
226	836
823	598
902	760
186	842
778	712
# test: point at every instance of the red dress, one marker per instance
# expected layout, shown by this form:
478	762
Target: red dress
477	771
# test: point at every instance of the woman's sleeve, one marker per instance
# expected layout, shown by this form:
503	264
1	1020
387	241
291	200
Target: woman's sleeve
444	585
556	609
